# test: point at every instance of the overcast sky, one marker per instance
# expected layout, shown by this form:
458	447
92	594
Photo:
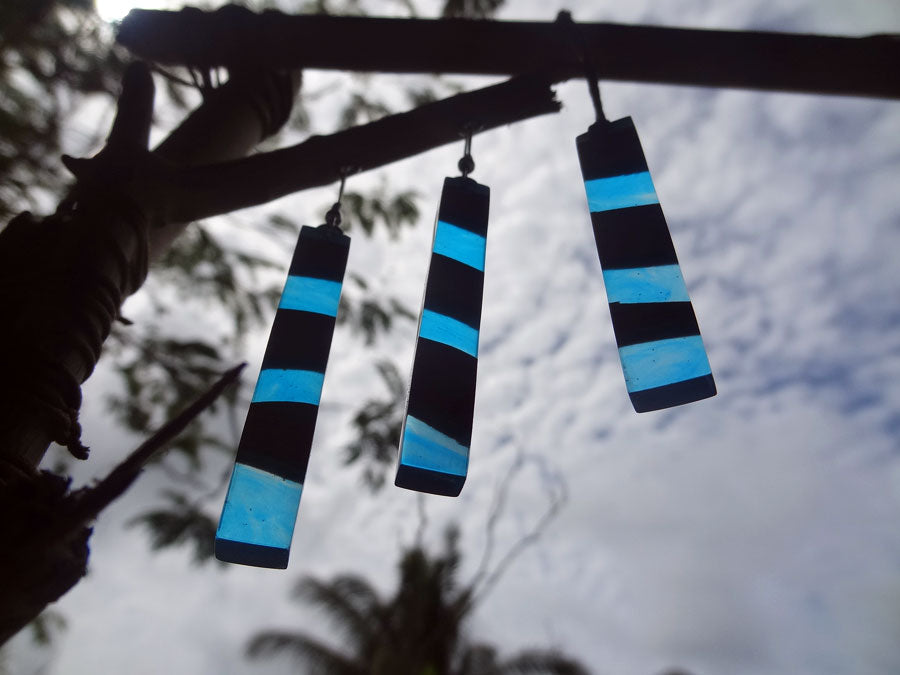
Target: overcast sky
752	533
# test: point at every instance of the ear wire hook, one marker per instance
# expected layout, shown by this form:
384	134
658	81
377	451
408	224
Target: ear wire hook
564	18
333	217
466	164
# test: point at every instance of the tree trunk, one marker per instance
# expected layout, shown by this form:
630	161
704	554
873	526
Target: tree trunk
63	279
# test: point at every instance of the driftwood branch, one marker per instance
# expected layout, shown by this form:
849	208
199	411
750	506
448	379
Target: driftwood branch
200	192
856	66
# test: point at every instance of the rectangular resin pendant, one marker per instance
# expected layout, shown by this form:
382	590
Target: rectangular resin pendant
257	521
662	353
437	428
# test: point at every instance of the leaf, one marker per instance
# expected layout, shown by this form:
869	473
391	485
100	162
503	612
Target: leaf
180	523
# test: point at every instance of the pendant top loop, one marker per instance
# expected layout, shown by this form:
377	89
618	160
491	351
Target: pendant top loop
564	19
466	164
333	217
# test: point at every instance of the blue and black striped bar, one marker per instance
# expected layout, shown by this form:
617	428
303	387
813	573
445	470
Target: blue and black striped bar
662	353
257	521
437	428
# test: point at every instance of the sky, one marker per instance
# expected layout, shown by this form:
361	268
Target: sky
752	533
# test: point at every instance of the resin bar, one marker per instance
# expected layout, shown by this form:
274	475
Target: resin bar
662	354
257	521
437	428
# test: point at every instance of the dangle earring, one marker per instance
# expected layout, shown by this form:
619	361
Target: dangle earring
662	354
260	510
437	427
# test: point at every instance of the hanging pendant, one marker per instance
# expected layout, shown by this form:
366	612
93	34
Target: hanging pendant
662	354
437	428
257	521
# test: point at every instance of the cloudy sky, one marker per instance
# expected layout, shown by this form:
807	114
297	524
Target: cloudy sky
752	533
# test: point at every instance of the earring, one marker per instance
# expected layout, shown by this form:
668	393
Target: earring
437	428
662	354
260	510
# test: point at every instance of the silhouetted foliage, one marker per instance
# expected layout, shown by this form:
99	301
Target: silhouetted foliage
182	522
471	9
53	53
419	629
377	425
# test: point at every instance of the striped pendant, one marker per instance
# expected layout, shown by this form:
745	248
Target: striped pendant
263	497
662	353
437	428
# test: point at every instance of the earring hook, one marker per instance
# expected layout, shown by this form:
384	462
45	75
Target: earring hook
564	18
466	164
333	217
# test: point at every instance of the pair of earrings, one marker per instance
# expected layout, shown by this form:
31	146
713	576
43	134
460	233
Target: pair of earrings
257	522
659	343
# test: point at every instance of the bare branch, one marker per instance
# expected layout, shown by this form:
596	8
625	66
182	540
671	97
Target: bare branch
229	36
199	192
490	529
89	503
558	495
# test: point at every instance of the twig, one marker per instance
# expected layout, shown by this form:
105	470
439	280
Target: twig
557	501
497	507
88	503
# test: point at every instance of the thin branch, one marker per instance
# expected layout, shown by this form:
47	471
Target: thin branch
231	36
89	503
193	193
423	520
558	498
497	507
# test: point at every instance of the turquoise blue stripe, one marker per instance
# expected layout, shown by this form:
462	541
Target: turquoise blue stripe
662	283
311	295
260	508
425	447
655	364
294	386
459	244
449	331
619	192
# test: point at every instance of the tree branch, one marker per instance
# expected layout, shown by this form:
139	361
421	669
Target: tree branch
865	66
88	504
200	192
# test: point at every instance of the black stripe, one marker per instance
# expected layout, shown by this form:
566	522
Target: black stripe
610	149
432	482
442	389
465	203
649	321
454	290
277	438
674	394
321	253
251	554
299	341
634	237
